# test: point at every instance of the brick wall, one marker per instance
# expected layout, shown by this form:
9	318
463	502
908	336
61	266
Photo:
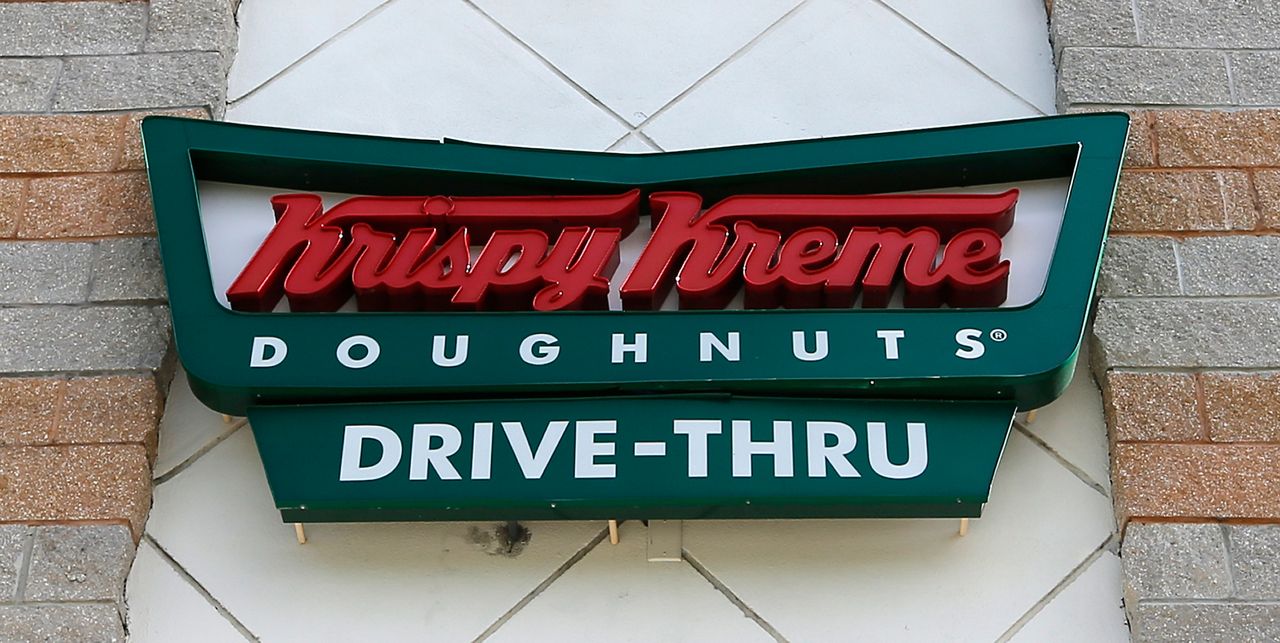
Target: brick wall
1185	341
84	331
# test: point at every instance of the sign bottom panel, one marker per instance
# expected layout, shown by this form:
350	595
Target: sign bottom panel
636	457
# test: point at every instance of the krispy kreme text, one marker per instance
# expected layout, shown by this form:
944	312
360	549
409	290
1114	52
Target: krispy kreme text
560	252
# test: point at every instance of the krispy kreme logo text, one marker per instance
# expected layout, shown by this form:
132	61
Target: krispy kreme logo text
561	252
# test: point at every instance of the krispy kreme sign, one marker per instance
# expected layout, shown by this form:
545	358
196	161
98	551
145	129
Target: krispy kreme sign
426	330
551	253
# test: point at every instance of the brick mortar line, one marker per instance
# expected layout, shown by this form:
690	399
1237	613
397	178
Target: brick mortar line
1186	107
129	54
60	174
53	445
104	112
1118	47
1183	235
1198	298
1210	601
74	374
1204	442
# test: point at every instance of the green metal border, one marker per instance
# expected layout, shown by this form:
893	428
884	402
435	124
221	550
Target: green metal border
1031	368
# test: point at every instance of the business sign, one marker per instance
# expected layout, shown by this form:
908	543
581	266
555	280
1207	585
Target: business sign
445	330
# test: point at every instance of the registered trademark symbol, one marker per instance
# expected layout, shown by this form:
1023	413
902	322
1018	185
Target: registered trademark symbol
999	335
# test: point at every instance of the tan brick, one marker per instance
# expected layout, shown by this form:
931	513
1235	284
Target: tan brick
132	158
62	143
1154	407
1196	480
1267	184
121	408
1218	138
81	482
1243	407
1138	150
88	205
1207	200
28	410
12	195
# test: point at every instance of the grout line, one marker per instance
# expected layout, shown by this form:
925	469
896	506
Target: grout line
1210	601
28	549
555	575
1077	471
195	584
639	136
982	72
307	56
733	598
199	453
551	66
1062	585
741	51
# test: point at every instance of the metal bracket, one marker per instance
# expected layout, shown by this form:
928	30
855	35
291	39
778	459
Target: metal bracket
666	541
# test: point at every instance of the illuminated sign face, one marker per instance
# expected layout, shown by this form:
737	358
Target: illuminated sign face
423	330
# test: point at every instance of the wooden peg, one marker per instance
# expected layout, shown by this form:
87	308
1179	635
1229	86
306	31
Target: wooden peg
964	527
227	419
613	532
1031	416
300	533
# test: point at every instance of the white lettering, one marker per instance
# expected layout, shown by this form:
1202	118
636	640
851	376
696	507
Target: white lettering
708	341
258	357
697	430
744	447
353	439
638	348
534	464
371	355
586	448
799	346
481	450
820	453
539	349
423	457
970	346
917	451
459	352
891	338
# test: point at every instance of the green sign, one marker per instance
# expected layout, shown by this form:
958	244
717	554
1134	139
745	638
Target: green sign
630	457
477	371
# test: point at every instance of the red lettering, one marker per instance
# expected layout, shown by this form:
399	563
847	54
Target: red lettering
885	236
559	252
382	250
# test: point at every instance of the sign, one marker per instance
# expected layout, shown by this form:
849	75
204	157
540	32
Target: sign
357	295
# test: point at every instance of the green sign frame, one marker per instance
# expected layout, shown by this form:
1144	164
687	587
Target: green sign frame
1029	368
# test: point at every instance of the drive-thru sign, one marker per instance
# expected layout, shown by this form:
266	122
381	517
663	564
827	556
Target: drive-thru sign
437	330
